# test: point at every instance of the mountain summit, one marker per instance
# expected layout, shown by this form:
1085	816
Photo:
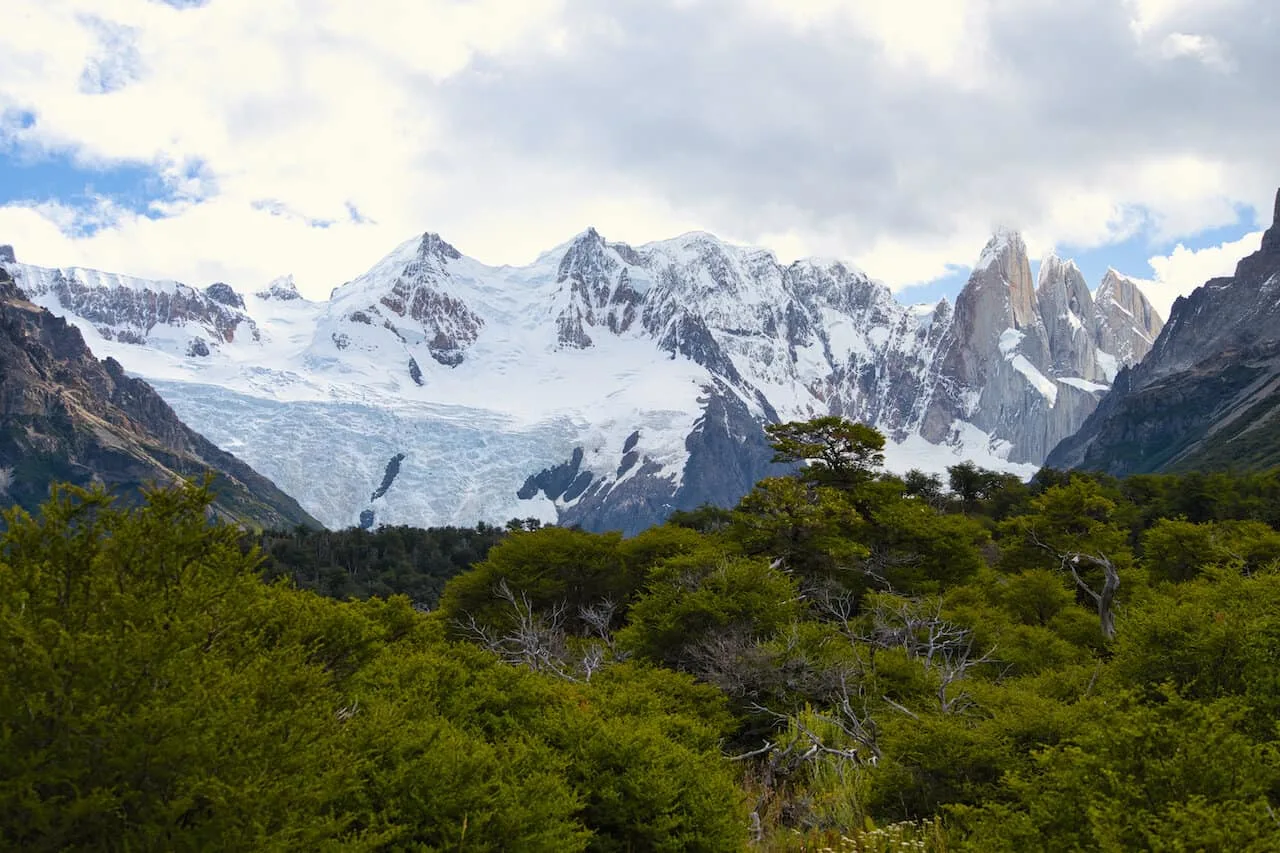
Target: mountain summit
604	384
1207	395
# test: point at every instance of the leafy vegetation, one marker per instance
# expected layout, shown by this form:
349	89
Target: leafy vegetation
847	660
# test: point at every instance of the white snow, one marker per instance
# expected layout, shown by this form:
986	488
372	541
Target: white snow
1038	380
1009	340
1082	384
1108	364
322	420
966	443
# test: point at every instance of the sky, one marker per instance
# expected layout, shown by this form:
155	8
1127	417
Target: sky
240	140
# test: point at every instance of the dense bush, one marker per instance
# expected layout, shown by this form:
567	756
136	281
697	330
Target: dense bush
846	660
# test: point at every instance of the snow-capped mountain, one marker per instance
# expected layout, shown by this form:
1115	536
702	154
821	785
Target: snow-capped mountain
604	384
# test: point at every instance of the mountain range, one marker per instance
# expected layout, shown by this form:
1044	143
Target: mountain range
1208	394
604	384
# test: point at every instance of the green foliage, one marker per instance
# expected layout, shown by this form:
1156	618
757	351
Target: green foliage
917	550
813	530
1178	550
551	566
1076	663
1176	775
144	704
155	694
837	452
694	599
357	563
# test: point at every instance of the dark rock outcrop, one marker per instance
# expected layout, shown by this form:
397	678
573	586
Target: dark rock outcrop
728	455
388	476
129	314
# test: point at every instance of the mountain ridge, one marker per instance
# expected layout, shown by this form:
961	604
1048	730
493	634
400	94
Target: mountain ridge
690	342
1216	361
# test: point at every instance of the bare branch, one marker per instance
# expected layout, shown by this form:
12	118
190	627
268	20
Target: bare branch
1070	561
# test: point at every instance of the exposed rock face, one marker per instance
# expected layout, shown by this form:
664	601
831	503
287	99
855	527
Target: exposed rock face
224	294
728	454
1067	310
1208	392
282	289
1025	364
388	477
65	416
1126	323
417	307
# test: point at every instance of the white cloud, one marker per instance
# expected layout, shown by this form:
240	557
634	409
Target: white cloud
891	132
938	37
1183	270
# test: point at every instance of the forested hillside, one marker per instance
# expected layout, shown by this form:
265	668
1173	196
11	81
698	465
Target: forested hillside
847	660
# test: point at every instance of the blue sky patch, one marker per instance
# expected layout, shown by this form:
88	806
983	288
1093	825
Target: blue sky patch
1129	257
26	178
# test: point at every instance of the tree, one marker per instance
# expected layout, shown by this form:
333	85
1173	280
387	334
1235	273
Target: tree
836	452
150	695
694	598
1071	526
551	568
927	487
811	530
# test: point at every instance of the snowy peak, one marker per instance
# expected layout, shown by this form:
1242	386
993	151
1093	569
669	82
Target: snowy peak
1025	364
405	301
596	288
165	315
1004	243
433	246
645	372
282	289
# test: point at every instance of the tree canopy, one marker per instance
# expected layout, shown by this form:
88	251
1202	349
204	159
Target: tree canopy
845	660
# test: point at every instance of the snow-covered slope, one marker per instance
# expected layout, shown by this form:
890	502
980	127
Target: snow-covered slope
603	384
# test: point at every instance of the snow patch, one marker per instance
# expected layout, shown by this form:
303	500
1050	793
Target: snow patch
1009	340
1082	384
1108	364
1038	380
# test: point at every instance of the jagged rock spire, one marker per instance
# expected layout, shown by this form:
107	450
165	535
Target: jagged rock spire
1271	239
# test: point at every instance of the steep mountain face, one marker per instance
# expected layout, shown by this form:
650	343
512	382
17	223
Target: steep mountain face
1207	395
66	416
1125	323
605	384
1027	364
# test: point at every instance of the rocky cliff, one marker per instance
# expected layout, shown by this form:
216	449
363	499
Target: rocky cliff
1024	363
66	416
1207	394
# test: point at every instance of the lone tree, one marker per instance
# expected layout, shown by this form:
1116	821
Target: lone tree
838	452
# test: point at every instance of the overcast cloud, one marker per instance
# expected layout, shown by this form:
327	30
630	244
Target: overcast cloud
312	136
